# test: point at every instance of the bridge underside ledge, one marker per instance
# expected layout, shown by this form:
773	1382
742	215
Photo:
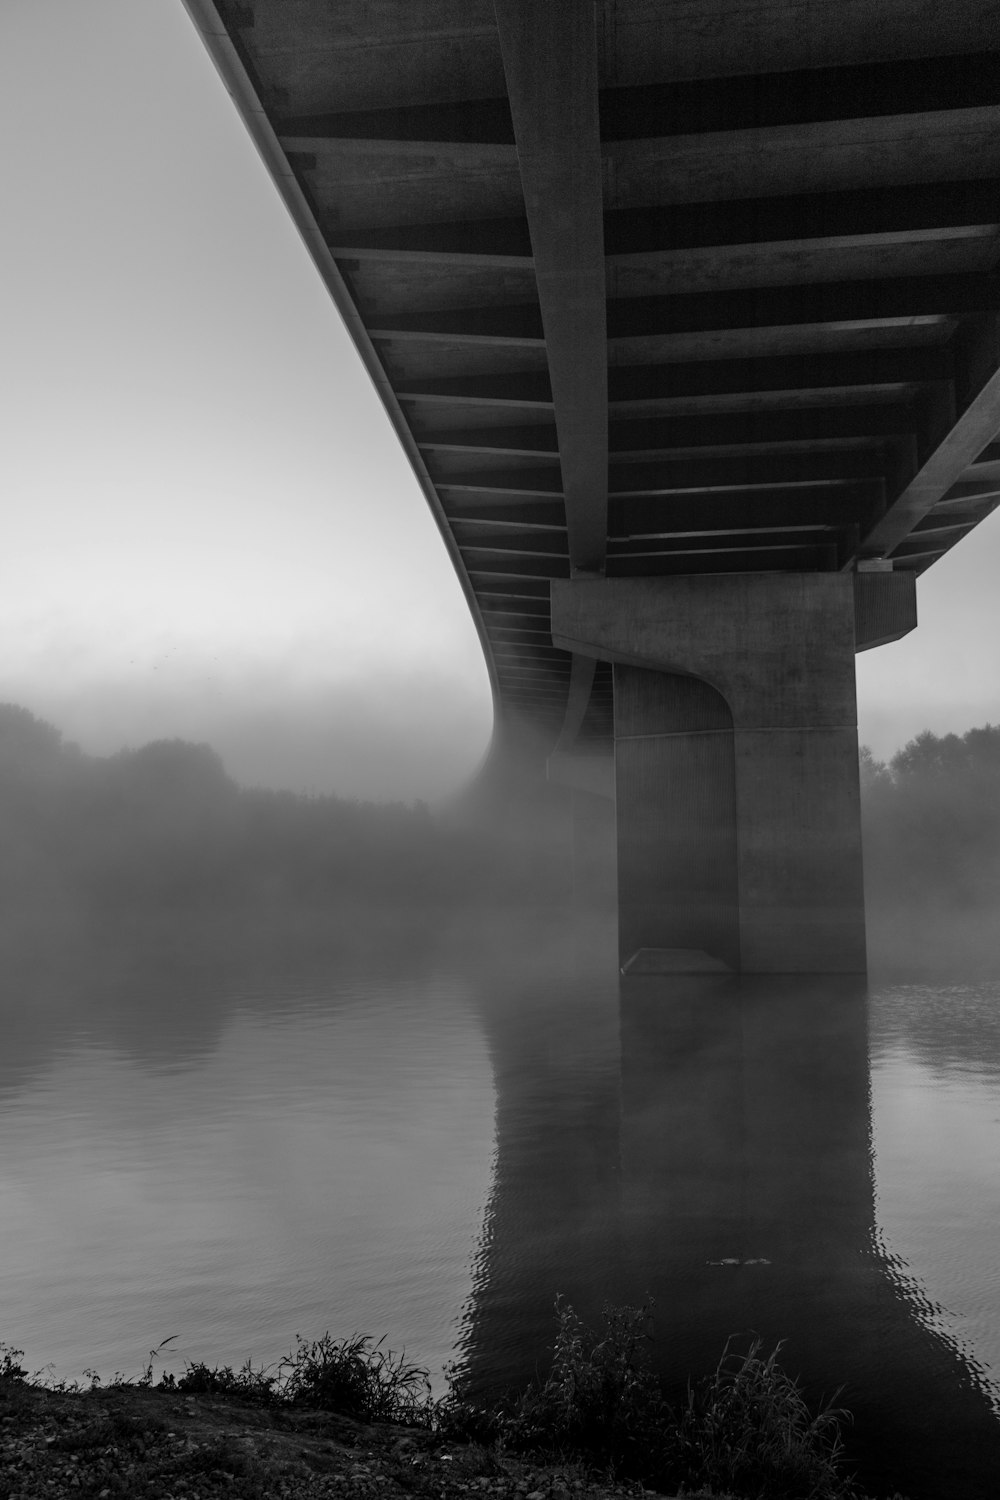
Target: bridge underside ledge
736	764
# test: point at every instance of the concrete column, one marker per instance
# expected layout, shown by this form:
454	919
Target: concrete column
594	864
778	649
676	796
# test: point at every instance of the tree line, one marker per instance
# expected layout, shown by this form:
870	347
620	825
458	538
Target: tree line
931	822
166	827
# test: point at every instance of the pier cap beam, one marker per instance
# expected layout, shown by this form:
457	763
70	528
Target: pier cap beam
779	648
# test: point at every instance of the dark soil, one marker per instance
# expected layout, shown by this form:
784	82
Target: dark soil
150	1444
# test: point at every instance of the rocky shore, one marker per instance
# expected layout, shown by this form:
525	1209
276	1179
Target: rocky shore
146	1443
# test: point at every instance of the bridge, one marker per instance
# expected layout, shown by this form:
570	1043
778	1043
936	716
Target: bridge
686	317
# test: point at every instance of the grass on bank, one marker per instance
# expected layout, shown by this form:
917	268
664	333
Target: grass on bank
744	1431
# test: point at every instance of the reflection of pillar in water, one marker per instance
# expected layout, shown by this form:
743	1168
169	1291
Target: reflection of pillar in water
748	1206
552	1222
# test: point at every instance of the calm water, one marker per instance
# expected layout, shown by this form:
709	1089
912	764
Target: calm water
430	1139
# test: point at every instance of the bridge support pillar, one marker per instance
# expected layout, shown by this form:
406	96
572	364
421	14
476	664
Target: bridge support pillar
736	764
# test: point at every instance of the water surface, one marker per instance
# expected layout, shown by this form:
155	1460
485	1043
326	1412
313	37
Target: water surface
430	1139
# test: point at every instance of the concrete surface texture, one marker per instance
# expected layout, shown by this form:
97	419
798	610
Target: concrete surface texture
738	796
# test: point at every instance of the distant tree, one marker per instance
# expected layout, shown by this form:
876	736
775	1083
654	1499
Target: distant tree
164	827
978	750
873	771
171	770
932	820
31	749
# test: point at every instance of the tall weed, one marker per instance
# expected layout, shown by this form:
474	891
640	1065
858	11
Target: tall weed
747	1429
599	1397
357	1378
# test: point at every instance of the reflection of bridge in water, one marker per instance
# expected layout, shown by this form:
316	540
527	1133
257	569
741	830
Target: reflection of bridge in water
686	318
644	1148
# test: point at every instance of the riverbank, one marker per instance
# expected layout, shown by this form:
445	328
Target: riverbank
149	1443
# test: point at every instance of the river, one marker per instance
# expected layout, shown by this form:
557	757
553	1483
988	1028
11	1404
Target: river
428	1134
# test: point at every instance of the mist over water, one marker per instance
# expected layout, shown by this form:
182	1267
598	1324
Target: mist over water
275	1064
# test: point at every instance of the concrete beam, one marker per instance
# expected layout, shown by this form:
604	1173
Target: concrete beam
550	63
717	311
784	306
526	442
884	603
701	559
752	655
581	683
885	608
910	86
916	210
709	513
902	370
749	432
491	565
529	388
778	650
695	515
977	400
664	474
594	774
785	374
753	429
856	91
860	216
471	122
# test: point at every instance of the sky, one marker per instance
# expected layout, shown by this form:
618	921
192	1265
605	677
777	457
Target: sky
209	528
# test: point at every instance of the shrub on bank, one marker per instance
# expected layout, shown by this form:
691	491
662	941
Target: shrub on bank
746	1430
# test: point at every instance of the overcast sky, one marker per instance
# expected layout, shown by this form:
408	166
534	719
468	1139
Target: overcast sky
209	529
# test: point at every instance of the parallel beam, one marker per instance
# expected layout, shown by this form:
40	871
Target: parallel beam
722	433
673	515
681	473
784	374
475	121
820	558
910	86
913	211
717	311
705	379
860	215
550	62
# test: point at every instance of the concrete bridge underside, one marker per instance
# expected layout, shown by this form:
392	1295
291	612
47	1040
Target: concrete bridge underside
687	318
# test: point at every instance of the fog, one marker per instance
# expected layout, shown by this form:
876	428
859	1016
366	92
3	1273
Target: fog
173	825
931	825
235	663
211	531
370	739
250	1033
165	830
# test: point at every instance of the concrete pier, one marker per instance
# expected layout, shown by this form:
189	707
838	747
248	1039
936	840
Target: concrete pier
736	766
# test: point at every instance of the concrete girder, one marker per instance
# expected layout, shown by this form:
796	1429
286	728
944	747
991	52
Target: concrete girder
835	219
977	388
550	61
875	301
